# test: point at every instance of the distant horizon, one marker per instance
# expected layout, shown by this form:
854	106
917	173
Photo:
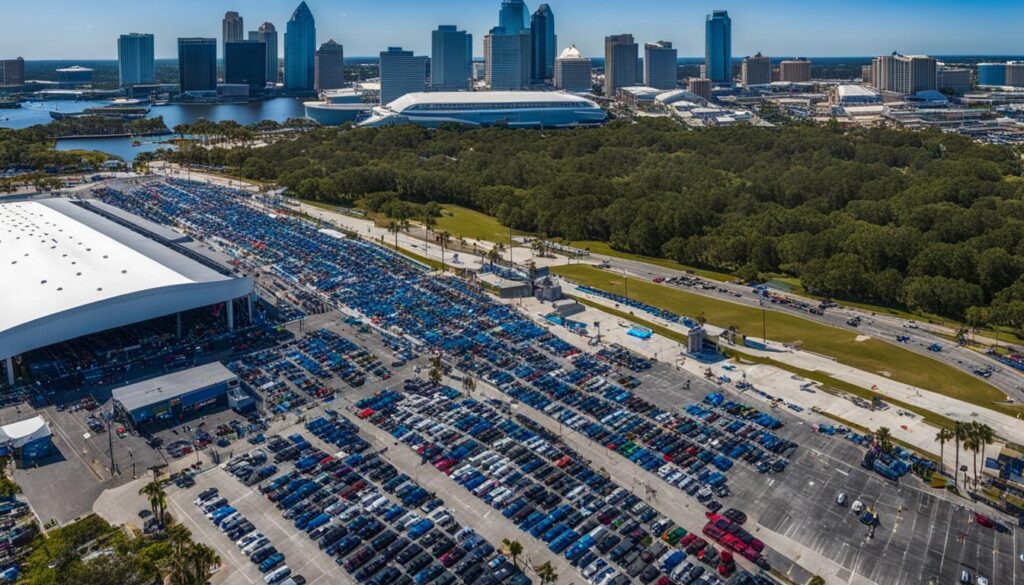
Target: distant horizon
783	27
480	58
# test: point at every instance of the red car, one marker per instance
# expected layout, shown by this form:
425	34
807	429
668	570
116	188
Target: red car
984	520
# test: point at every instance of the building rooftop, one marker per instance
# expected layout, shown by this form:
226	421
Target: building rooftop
163	388
571	53
74	69
482	97
855	90
59	257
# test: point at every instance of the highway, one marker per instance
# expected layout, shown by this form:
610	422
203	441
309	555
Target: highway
882	327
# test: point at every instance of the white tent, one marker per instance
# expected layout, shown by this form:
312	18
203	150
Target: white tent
21	433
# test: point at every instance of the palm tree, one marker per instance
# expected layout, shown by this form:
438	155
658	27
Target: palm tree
394	227
546	573
971	444
959	432
884	439
435	371
443	238
986	436
429	221
201	560
469	384
157	498
942	436
514	549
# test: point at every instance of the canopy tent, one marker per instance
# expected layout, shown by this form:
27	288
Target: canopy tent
21	433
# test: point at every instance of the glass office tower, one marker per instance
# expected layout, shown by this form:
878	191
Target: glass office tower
718	47
300	51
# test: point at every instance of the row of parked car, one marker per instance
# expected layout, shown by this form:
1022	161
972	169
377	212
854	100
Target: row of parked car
380	525
546	489
252	543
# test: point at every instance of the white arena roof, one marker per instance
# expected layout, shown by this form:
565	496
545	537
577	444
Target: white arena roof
68	271
483	97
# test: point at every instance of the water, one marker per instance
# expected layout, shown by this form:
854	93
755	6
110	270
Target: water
38	112
278	110
122	147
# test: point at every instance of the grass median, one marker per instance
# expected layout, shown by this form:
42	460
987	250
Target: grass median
869	355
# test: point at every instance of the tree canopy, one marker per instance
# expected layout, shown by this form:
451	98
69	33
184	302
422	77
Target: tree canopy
928	220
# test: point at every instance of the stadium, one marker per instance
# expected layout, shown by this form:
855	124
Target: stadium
76	268
515	109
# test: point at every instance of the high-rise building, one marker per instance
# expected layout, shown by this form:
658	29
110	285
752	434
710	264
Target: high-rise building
513	16
620	63
718	47
245	62
507	59
232	30
795	70
867	74
197	65
12	71
300	50
135	59
992	74
451	59
401	72
904	74
661	65
700	86
330	66
545	43
958	80
756	70
1015	73
267	35
573	71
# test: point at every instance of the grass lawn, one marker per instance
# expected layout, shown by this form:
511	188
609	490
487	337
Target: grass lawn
606	250
472	225
870	355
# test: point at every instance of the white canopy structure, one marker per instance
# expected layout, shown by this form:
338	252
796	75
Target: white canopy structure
69	271
21	433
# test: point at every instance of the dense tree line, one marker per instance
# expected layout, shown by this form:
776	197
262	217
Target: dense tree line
923	219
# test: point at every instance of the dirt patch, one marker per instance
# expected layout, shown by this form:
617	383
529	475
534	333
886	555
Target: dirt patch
863	337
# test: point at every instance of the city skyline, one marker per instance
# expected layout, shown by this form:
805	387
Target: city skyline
784	29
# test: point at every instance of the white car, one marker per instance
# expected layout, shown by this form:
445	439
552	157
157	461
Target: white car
249	539
278	574
858	507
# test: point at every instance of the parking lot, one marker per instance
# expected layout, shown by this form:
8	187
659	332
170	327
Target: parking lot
617	414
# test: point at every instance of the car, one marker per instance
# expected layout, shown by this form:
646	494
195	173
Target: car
841	499
277	575
858	507
736	516
270	562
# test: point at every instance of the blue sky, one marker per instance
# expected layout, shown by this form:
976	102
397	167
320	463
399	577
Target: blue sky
87	29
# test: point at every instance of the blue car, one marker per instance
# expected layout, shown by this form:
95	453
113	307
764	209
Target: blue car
270	562
420	528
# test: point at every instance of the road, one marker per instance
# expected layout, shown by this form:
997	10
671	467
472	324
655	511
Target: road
883	328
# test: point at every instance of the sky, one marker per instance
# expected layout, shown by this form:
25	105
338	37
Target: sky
88	29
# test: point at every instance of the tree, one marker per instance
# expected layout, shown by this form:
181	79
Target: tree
395	227
884	439
546	573
960	431
436	372
971	444
942	436
443	238
468	384
157	498
816	580
986	436
514	548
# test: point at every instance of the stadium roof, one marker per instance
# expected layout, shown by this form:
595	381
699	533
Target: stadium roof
70	272
163	388
483	97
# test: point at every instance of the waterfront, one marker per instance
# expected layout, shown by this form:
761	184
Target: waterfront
123	146
278	109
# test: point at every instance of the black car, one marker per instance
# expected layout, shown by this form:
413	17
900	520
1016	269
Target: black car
735	515
418	564
410	552
649	573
